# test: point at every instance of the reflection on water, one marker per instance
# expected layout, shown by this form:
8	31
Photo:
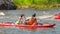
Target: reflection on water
12	15
26	31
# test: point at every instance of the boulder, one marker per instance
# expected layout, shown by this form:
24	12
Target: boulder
7	5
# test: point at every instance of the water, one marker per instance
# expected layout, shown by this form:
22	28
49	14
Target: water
12	16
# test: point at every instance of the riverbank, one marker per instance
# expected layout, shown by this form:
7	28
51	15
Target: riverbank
36	4
40	7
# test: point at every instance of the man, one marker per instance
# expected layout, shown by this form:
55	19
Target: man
21	19
32	20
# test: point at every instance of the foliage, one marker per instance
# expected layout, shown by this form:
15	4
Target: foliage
36	3
58	1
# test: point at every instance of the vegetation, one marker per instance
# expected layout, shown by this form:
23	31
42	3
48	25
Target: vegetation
37	4
58	1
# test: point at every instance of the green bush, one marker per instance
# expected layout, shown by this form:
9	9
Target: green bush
58	1
36	3
22	2
39	2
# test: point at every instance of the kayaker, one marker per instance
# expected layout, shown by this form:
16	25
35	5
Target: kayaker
21	19
32	20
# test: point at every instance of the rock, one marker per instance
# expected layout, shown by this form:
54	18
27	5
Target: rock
8	5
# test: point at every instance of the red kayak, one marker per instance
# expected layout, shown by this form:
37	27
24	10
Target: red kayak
57	16
27	26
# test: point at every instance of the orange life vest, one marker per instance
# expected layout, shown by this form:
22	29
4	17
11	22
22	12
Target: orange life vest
32	20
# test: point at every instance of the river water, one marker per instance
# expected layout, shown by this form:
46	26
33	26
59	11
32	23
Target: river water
12	16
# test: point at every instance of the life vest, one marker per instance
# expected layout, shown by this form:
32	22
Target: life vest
31	21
